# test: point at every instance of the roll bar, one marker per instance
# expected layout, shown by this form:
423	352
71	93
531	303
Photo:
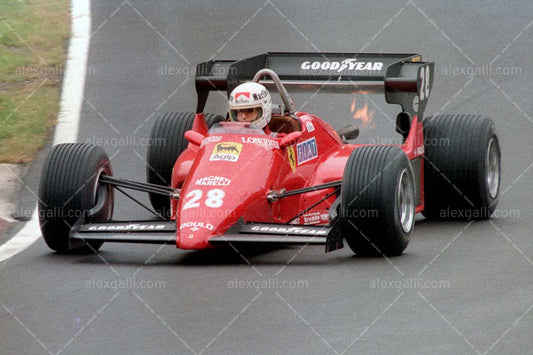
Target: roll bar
289	104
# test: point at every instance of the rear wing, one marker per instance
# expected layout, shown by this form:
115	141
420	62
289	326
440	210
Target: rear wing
403	78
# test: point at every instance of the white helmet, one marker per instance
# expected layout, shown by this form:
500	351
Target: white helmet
251	95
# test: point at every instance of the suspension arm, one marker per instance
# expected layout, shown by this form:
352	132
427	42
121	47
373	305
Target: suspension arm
140	186
276	195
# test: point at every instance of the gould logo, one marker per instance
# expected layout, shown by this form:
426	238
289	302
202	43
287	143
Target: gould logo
195	226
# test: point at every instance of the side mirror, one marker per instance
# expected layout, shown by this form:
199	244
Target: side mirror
290	139
348	132
194	137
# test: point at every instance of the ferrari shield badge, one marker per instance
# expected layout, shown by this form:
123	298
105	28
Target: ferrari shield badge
292	158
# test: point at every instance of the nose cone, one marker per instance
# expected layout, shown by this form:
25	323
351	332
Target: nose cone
194	235
228	180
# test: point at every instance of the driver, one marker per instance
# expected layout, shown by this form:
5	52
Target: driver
251	102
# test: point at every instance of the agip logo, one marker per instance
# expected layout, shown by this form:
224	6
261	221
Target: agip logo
226	151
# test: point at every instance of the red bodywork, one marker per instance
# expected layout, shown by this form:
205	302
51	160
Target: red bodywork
228	176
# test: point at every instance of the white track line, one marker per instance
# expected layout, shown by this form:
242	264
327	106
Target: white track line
69	112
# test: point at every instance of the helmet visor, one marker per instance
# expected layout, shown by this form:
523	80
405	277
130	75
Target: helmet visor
250	114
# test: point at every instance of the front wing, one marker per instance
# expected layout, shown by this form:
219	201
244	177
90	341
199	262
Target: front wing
164	232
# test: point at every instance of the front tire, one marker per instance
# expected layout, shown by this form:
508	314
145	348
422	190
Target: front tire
69	188
461	167
378	201
167	142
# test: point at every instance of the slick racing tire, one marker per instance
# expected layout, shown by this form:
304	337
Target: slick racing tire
461	167
166	143
377	213
69	188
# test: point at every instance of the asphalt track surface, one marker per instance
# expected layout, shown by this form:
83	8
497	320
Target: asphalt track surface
459	288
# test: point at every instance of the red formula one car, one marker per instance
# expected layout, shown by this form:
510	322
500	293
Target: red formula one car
212	182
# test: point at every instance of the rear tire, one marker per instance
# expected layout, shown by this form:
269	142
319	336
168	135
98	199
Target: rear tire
461	167
69	188
378	201
167	142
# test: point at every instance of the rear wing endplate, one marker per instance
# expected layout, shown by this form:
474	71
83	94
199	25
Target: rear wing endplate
403	78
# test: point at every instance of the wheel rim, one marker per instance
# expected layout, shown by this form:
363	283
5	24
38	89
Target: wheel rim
406	201
493	168
107	189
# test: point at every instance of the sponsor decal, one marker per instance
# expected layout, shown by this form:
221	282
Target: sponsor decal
311	218
314	218
419	150
195	226
262	95
128	227
213	181
241	98
306	150
292	158
226	151
416	102
310	127
210	139
346	65
291	230
245	94
263	142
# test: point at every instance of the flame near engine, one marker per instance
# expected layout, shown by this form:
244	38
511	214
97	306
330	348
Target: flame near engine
364	115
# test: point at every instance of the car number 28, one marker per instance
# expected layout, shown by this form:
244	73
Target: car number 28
424	83
214	199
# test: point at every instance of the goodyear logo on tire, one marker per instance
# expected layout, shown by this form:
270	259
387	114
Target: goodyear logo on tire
226	151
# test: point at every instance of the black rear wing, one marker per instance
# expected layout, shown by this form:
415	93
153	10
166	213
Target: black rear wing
403	78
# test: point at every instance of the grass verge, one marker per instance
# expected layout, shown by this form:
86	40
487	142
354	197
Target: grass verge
33	44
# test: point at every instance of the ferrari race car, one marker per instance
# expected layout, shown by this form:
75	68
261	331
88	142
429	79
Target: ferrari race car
213	182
